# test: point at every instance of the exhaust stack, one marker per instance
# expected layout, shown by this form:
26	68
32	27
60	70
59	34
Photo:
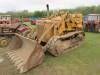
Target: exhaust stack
48	14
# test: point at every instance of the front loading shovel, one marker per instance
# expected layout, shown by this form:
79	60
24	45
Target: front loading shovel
25	53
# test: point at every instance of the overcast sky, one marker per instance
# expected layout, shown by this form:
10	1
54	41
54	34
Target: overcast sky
32	5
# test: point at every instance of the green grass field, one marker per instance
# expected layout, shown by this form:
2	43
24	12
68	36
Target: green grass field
30	25
84	60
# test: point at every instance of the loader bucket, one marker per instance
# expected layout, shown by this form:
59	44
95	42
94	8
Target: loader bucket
25	53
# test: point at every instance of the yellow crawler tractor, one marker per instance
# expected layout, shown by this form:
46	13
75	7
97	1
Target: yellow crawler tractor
61	33
57	35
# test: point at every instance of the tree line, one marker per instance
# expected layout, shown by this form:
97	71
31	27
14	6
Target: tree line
82	9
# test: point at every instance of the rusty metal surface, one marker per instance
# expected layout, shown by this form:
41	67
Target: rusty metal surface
58	45
26	55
